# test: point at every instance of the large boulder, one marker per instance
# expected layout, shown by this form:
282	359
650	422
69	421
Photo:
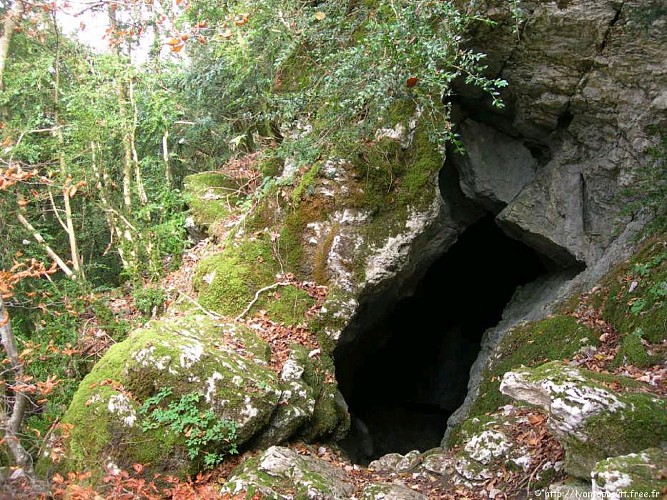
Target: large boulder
591	420
182	393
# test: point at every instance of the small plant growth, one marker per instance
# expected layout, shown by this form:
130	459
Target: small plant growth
207	437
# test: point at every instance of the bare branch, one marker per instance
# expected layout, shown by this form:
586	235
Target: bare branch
260	291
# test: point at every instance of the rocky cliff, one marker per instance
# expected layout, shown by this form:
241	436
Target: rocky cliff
377	262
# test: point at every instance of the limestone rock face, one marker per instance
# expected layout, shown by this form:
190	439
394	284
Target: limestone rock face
586	86
586	98
495	167
215	372
592	421
282	473
642	472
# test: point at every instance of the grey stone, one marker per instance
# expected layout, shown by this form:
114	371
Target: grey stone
284	474
592	421
495	167
395	462
383	491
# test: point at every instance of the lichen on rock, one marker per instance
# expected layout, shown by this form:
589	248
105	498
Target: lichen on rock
224	365
281	473
642	473
591	420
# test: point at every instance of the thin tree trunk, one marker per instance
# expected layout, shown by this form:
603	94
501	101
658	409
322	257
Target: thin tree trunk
8	26
69	224
71	235
38	237
135	157
111	214
165	157
11	423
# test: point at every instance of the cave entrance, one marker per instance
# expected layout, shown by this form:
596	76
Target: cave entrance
403	377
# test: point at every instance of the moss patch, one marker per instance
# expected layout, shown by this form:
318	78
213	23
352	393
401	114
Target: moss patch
635	294
227	281
646	471
633	352
211	196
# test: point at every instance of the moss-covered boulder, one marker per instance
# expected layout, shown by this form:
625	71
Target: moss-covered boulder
309	407
179	394
490	447
530	344
211	196
591	420
638	475
281	473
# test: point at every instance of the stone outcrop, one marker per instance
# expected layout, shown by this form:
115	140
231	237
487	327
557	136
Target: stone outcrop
644	473
193	376
586	97
589	418
283	474
586	94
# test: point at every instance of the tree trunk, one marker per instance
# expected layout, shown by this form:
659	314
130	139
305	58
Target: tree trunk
11	423
38	237
165	156
135	157
11	20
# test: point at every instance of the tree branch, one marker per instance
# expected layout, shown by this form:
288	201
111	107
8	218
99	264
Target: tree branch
261	290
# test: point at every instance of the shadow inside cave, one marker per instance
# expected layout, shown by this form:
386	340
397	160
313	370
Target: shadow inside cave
403	376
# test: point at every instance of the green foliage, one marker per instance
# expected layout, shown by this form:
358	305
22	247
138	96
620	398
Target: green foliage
148	299
635	295
207	437
328	74
648	191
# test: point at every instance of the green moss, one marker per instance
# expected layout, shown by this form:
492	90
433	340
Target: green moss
642	424
227	282
531	344
637	292
475	425
271	166
290	247
306	186
646	470
378	165
422	165
211	196
633	352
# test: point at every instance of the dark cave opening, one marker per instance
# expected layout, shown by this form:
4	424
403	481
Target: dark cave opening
405	375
